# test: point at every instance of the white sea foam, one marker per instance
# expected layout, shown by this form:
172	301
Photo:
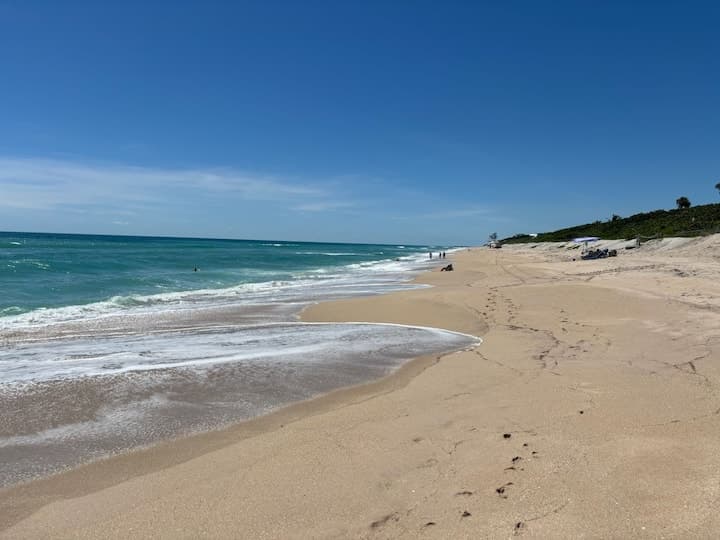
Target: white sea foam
90	398
307	286
105	422
306	343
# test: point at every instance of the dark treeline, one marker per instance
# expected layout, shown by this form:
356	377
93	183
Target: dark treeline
694	221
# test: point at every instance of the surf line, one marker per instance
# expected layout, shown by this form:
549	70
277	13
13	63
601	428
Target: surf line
235	327
397	325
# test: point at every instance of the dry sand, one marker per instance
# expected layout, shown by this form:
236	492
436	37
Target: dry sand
591	410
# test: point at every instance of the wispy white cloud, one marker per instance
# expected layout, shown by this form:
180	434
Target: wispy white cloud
324	206
42	184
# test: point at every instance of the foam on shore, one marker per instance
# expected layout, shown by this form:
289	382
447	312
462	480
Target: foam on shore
79	399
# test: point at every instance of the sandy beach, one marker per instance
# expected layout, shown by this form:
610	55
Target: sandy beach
590	410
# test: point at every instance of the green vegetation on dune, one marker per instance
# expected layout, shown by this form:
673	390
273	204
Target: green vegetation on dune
693	221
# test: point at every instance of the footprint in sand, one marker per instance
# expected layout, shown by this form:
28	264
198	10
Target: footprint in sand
384	520
501	491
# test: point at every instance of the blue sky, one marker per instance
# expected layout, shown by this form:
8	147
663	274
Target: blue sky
413	122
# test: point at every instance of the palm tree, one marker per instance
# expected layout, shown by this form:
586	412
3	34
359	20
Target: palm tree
683	202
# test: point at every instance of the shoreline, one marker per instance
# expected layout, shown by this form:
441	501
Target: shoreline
111	470
139	382
97	475
590	410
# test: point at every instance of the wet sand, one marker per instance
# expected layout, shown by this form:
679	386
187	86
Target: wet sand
72	401
591	410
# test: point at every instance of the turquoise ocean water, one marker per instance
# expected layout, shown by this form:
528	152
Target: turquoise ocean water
111	343
41	271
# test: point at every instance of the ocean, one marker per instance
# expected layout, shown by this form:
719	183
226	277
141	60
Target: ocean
111	343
